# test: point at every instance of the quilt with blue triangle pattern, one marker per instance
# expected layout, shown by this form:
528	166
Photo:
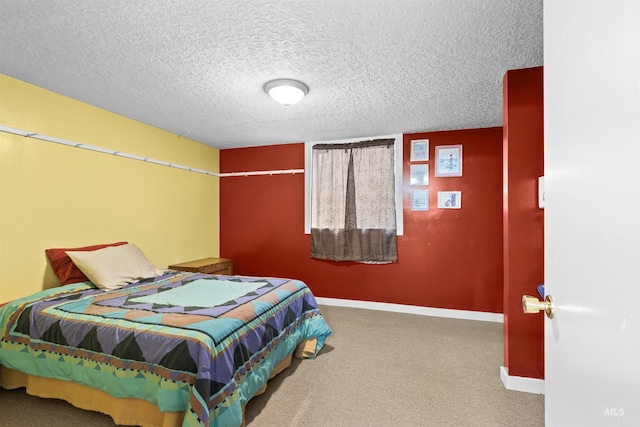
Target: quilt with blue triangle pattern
183	341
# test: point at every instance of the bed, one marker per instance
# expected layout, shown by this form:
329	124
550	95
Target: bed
177	348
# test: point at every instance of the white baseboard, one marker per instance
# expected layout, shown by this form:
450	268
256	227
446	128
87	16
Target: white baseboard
529	385
413	309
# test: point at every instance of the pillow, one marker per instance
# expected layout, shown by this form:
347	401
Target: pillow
65	269
114	266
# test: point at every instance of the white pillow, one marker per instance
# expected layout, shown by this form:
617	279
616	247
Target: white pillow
114	266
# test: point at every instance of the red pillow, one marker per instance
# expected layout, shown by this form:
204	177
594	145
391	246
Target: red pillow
65	269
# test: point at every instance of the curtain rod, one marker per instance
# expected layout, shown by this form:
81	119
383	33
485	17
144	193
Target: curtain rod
102	150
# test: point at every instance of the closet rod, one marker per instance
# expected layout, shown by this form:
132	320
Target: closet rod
271	172
102	150
74	144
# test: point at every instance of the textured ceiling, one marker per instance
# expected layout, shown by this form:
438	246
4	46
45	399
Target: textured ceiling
197	67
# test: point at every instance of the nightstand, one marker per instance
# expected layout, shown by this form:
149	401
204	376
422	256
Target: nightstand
206	265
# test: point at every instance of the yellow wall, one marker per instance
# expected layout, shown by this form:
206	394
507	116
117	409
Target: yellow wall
57	196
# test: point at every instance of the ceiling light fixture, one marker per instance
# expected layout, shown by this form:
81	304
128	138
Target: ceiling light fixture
286	91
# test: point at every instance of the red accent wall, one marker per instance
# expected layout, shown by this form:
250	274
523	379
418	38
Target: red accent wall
523	156
446	258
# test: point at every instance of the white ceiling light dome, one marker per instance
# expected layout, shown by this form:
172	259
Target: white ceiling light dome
286	91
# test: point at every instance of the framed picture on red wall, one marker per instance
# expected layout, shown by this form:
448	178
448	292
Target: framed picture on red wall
449	199
420	174
448	160
419	150
419	200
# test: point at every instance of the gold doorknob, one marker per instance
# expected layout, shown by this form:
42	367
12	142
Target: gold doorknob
534	305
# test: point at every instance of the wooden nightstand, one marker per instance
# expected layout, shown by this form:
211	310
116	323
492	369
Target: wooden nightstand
206	265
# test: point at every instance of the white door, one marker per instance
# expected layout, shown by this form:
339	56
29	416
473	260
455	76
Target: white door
592	212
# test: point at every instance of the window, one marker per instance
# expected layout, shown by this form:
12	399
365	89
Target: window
354	198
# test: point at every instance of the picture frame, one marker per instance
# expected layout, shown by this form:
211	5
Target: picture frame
419	150
450	199
448	160
419	174
419	200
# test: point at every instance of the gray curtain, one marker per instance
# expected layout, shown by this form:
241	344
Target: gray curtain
353	214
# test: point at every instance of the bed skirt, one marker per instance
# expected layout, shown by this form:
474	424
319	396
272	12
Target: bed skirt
123	411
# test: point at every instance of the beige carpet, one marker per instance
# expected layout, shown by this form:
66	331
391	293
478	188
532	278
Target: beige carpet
389	369
377	369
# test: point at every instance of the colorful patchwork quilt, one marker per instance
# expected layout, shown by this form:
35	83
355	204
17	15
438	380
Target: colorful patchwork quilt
183	341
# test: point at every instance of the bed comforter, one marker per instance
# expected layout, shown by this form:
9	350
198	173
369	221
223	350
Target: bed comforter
182	341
